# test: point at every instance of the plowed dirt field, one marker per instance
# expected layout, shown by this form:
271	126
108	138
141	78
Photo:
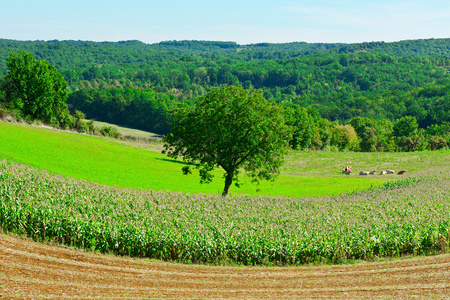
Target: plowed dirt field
30	270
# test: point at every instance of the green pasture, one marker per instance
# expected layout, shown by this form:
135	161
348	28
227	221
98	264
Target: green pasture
313	163
125	131
114	163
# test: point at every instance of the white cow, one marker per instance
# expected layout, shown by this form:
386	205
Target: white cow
347	170
383	173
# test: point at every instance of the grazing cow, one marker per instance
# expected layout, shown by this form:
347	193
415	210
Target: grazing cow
347	170
390	171
373	172
363	173
401	172
383	173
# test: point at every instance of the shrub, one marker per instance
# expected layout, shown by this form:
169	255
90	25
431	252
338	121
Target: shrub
345	137
109	131
66	122
410	143
3	113
83	127
436	142
78	119
16	115
91	127
79	124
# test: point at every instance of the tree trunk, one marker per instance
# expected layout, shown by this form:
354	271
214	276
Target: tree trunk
228	181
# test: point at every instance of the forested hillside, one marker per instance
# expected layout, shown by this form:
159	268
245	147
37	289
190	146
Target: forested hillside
70	54
338	82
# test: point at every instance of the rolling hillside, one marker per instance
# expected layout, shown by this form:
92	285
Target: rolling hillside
109	162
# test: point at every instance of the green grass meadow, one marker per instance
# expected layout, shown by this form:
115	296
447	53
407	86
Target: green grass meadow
125	131
110	162
113	163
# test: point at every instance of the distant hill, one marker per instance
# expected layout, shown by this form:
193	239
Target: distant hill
340	81
80	54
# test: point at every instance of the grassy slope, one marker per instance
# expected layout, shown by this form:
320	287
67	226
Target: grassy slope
108	162
125	131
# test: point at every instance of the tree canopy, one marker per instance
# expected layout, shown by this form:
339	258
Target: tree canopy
143	109
320	86
232	128
35	88
342	81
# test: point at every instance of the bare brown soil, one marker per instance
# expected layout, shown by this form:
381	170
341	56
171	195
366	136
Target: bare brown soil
30	270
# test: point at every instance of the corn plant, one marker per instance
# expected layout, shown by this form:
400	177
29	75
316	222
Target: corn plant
408	218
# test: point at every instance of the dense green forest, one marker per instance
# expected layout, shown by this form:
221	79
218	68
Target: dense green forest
143	109
135	84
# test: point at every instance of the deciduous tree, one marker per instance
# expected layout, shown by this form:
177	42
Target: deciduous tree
303	125
231	128
406	133
35	88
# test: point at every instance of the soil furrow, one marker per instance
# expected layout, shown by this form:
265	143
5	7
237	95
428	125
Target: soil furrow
30	270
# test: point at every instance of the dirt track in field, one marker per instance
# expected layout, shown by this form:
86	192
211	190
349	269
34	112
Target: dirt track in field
30	270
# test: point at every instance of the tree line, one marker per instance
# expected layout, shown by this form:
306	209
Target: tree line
341	81
331	89
33	91
339	86
71	54
136	108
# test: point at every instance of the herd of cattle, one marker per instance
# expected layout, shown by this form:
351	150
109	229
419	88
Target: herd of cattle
348	171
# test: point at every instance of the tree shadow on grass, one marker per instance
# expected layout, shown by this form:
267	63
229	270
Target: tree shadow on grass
176	161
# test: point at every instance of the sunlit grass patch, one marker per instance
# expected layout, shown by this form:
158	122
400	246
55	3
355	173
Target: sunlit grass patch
315	186
325	163
110	162
125	131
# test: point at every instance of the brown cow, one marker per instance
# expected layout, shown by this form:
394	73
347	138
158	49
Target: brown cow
347	170
401	172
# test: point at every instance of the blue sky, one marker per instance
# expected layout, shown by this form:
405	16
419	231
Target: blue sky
244	22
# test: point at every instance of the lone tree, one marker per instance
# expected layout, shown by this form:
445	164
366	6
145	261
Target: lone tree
231	128
35	88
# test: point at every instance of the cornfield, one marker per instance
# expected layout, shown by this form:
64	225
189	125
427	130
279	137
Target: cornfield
409	217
